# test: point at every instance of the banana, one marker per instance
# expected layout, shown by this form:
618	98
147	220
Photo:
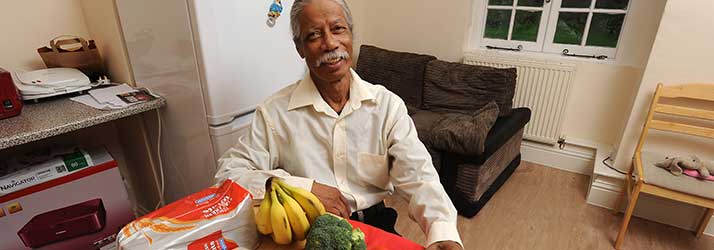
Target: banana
279	221
263	218
308	201
296	216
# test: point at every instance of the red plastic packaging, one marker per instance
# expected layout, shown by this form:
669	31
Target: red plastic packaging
378	239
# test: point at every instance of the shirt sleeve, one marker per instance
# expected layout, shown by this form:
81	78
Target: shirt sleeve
254	159
414	177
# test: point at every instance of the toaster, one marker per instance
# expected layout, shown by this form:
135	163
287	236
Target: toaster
10	101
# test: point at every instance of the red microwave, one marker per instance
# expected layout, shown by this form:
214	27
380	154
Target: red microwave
10	101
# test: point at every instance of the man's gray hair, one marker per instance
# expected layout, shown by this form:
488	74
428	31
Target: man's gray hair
297	9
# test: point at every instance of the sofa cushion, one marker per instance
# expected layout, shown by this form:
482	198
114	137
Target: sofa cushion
504	128
660	177
424	121
464	133
456	87
400	72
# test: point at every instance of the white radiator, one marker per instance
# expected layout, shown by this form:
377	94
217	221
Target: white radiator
541	86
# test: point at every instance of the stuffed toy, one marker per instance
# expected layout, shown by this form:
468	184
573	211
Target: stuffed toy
677	164
695	174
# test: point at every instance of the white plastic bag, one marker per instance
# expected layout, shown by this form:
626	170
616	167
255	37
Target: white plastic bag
220	217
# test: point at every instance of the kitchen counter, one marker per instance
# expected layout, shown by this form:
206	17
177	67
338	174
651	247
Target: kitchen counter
54	117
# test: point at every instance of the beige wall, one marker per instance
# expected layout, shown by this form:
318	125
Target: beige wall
103	26
682	53
28	25
31	24
601	92
358	8
595	107
430	27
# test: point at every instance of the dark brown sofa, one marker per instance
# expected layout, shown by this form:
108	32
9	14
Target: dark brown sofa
431	89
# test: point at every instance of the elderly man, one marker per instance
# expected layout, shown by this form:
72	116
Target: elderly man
350	142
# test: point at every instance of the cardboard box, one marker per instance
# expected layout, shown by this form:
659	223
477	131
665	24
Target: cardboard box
74	211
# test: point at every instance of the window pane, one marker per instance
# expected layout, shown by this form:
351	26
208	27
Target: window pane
605	29
531	3
570	28
500	2
497	22
576	3
611	4
525	26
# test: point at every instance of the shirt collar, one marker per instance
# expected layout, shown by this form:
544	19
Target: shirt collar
306	94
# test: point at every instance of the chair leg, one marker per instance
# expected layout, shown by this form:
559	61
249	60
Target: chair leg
705	222
625	191
628	215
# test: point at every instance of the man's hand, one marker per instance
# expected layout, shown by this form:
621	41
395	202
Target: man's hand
444	245
332	199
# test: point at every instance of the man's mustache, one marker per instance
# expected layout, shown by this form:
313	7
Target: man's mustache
332	55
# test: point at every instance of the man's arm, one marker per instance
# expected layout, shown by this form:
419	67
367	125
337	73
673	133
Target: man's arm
415	177
254	159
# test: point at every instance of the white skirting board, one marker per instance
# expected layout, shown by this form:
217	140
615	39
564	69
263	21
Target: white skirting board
586	157
572	158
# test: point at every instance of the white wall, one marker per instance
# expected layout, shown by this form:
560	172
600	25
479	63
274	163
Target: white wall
601	92
682	53
28	25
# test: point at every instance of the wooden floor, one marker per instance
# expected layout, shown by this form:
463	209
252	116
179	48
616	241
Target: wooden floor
545	208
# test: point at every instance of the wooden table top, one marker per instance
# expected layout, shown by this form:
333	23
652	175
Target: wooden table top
266	243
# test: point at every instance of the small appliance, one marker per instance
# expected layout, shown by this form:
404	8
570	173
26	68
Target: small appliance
37	84
10	101
64	223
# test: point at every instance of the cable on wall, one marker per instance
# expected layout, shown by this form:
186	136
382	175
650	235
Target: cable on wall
611	167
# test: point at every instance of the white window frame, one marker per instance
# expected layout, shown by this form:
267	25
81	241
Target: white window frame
546	34
536	46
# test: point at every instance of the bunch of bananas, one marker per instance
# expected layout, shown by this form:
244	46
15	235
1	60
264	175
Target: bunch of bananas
287	212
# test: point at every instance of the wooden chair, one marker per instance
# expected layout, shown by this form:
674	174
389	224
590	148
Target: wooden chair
656	181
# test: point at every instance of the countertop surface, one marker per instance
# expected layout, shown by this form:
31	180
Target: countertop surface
58	116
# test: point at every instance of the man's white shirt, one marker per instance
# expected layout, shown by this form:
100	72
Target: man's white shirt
368	151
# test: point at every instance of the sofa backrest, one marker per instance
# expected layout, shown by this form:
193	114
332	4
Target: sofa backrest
457	87
400	72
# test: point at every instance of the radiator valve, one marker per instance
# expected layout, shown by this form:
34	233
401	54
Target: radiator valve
561	142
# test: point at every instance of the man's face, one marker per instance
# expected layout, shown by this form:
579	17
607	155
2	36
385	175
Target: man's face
326	41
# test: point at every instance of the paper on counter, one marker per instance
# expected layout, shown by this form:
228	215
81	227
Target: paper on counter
109	95
89	101
105	98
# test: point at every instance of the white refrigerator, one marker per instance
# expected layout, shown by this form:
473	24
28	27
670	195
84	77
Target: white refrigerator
214	61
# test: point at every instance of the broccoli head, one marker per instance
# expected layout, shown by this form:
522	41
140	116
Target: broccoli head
358	242
331	220
333	233
329	237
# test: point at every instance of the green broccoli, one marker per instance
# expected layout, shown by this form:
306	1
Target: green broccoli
358	242
332	233
328	219
329	237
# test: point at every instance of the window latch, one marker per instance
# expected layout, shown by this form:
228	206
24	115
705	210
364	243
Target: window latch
517	48
566	52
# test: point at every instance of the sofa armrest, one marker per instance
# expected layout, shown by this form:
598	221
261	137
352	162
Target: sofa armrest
504	129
